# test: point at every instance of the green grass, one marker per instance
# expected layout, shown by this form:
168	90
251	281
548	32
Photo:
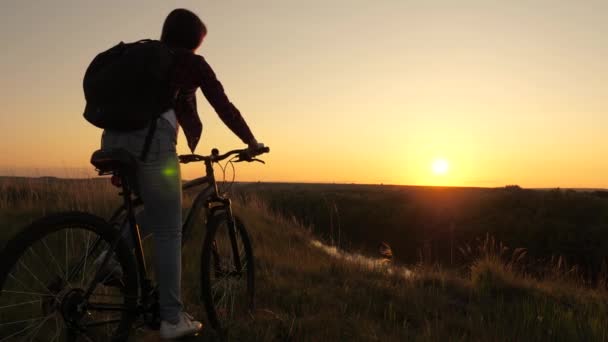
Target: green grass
305	294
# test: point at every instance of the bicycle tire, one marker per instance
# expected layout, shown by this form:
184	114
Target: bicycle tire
60	294
219	283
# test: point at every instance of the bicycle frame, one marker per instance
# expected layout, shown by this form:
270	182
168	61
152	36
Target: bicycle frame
208	198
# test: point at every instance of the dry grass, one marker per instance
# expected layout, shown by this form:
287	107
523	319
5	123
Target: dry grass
305	293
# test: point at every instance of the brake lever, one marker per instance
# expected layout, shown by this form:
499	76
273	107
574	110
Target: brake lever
250	160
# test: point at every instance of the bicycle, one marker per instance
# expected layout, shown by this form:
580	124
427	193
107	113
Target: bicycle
67	291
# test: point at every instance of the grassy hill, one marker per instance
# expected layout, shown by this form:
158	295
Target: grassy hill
307	294
557	227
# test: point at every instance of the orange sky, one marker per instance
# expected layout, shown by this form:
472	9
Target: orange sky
342	91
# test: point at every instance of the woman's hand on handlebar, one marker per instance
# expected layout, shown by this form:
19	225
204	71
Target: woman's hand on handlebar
255	146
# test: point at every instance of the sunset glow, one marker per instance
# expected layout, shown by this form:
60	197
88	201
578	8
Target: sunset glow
342	91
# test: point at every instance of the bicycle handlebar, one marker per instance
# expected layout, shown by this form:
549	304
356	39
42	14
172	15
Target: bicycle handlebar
245	154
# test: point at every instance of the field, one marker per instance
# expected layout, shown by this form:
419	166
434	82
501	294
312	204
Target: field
558	229
453	276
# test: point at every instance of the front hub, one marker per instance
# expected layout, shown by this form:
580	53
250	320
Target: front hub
51	304
73	306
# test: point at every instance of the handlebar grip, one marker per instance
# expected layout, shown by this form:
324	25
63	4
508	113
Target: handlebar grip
265	149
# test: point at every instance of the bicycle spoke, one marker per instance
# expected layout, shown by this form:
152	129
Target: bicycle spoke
93	269
24	286
225	291
84	270
75	252
30	326
66	255
19	304
23	321
218	292
39	281
71	273
30	293
52	255
33	253
57	331
37	329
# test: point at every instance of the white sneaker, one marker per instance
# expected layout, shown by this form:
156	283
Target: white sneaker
185	326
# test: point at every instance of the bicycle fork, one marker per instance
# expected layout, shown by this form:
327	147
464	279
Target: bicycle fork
232	234
231	222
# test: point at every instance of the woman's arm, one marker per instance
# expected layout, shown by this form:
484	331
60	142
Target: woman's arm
228	113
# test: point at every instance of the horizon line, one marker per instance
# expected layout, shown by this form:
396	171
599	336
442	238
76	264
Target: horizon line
100	178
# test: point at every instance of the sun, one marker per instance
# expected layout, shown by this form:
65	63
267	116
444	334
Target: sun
440	166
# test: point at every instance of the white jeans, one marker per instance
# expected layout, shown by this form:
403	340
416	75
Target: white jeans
159	185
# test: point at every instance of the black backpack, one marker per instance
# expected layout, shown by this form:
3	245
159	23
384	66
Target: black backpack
127	86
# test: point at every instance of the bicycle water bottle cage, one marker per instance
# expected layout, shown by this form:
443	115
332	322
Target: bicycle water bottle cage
113	161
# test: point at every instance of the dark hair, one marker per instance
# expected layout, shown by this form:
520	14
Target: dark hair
183	29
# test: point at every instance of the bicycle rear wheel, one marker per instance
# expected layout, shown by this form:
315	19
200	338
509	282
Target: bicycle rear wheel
45	272
227	271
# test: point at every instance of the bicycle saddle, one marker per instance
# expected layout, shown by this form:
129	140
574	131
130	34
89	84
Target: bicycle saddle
108	161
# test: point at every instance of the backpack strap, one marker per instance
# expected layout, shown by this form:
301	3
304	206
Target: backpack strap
148	141
152	129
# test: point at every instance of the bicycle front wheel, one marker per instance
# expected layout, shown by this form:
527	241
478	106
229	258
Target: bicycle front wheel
227	271
51	289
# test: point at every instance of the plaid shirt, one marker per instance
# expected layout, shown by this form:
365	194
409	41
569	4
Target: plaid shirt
190	72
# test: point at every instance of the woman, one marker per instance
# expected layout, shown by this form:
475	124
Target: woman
159	177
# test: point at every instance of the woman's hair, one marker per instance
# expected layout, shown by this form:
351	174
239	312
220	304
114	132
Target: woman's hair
183	29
